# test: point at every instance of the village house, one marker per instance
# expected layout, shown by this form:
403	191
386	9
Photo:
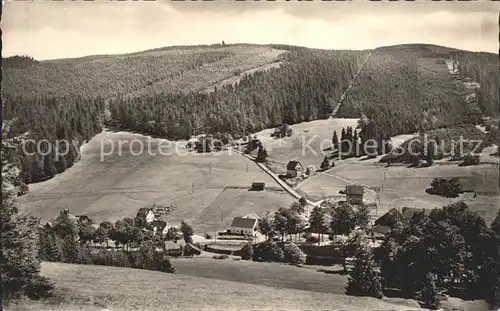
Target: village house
354	194
243	226
159	227
146	214
385	222
294	169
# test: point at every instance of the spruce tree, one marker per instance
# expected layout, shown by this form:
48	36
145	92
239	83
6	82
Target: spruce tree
20	263
428	295
335	140
325	164
363	280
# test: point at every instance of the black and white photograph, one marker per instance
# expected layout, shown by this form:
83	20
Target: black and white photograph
250	155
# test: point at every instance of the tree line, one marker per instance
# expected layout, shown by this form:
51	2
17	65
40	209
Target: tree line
51	123
71	242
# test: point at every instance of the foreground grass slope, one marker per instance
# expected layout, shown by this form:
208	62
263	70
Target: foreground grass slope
167	69
95	287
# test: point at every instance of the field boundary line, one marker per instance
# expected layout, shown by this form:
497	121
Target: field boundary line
285	186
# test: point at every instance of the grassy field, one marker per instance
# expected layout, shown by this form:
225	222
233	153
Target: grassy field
120	184
191	68
306	144
94	288
233	202
406	186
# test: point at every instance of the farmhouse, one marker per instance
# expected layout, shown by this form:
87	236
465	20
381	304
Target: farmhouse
243	226
294	169
354	194
146	214
384	223
159	227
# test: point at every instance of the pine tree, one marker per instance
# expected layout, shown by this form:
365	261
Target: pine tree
363	280
20	263
428	294
325	164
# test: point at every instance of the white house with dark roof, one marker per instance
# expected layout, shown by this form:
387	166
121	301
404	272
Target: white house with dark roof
243	226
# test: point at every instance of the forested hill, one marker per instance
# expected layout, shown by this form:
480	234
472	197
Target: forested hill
400	89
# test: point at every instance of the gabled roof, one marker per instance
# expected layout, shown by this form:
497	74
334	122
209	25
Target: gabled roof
385	219
292	165
408	212
143	211
252	216
241	222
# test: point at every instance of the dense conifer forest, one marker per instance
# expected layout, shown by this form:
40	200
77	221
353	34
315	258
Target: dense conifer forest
304	88
45	120
408	90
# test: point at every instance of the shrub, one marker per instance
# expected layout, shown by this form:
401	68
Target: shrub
268	251
293	254
247	251
470	159
449	188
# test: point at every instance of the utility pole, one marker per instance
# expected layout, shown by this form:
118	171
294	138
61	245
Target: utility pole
192	187
247	167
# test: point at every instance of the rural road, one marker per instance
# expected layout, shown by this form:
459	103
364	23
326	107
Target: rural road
283	184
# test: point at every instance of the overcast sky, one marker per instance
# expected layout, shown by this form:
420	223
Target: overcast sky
49	29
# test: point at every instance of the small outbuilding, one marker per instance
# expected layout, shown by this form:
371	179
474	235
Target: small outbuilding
258	186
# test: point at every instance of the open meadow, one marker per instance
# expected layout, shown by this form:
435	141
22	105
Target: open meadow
306	144
83	287
120	184
405	187
233	202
